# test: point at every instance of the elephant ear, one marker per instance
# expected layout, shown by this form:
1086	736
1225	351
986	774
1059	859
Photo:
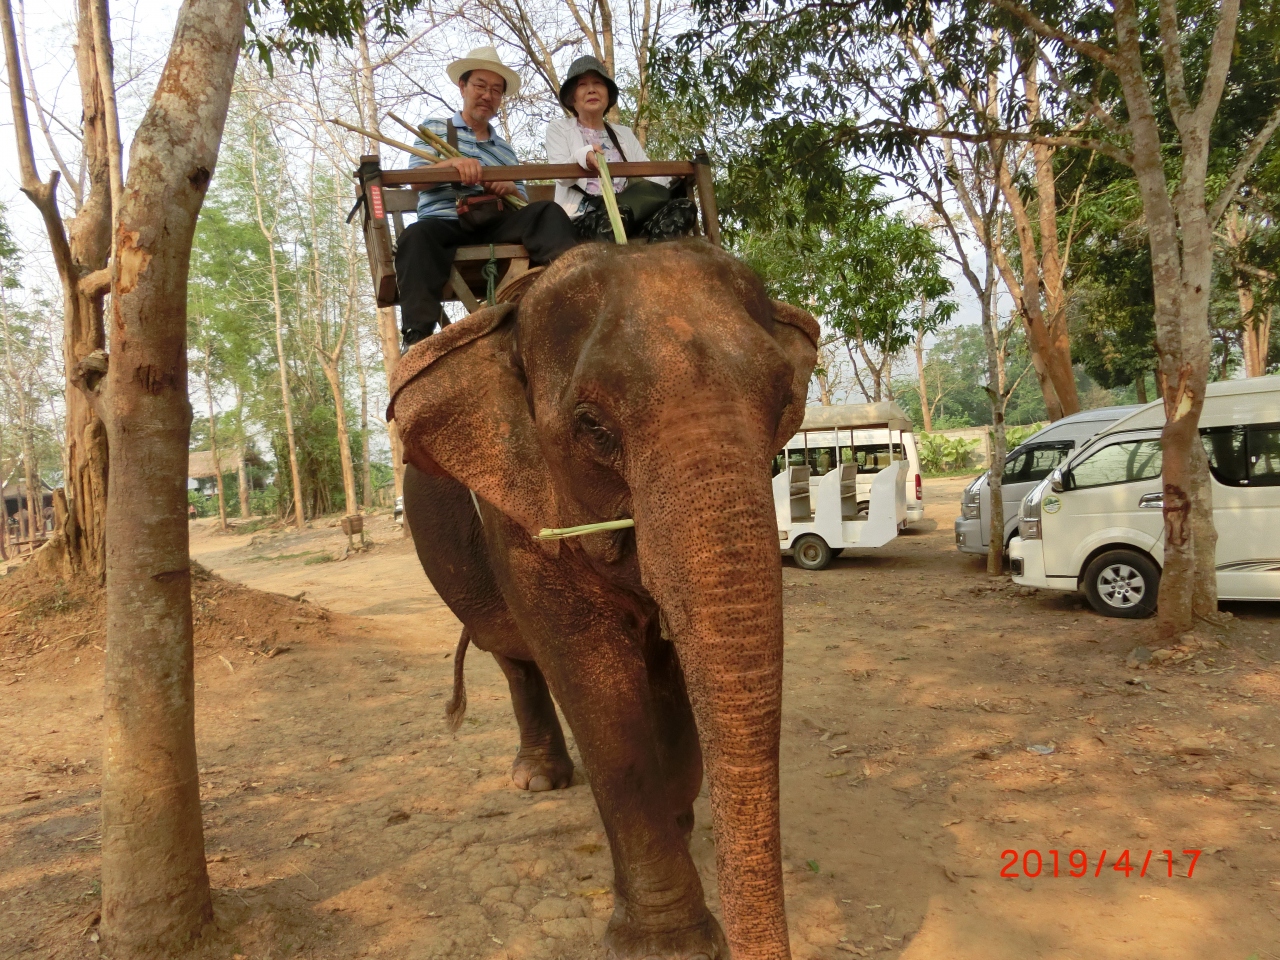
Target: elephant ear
458	399
796	332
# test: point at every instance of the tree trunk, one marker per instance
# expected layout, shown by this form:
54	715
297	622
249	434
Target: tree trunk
242	468
388	332
35	502
80	251
1140	382
366	470
213	445
269	234
926	414
155	887
333	376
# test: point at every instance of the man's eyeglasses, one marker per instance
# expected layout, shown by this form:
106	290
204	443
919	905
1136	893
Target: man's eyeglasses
494	90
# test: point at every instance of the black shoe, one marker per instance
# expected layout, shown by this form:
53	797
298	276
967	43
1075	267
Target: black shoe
595	224
676	219
409	338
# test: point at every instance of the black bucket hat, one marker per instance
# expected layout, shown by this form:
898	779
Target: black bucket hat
587	64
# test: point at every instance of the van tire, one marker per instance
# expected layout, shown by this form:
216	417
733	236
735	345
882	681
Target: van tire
811	552
1122	583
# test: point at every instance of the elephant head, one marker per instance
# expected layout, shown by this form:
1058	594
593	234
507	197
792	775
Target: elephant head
653	382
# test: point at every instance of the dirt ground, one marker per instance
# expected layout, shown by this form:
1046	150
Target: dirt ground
344	820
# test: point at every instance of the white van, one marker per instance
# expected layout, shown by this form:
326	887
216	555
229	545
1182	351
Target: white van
1096	523
841	482
1025	466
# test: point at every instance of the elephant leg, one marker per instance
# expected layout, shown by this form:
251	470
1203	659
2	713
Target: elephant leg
676	732
542	762
659	904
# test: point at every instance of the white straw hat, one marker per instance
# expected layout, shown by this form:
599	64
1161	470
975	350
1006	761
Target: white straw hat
485	58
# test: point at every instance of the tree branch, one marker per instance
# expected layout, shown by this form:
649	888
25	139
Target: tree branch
18	102
1174	76
76	189
106	80
1224	41
1082	143
1241	170
1084	47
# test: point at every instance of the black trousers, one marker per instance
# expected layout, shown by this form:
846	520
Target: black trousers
426	250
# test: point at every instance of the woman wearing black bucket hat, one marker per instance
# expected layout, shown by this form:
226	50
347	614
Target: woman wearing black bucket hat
588	92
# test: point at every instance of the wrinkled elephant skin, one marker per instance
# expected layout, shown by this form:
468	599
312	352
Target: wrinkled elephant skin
654	383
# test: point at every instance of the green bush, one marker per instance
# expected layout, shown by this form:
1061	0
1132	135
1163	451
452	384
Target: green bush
939	454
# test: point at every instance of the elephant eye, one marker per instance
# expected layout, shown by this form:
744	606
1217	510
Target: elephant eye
596	433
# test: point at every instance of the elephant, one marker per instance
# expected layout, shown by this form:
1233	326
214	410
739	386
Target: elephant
652	383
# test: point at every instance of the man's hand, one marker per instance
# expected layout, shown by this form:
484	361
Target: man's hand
502	188
467	167
592	163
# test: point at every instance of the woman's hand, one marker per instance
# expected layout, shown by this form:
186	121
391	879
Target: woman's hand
468	168
592	164
501	188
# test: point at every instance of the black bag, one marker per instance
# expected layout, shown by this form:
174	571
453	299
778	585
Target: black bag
479	210
642	197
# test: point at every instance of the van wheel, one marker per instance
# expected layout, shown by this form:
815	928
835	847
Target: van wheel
811	552
1122	583
864	509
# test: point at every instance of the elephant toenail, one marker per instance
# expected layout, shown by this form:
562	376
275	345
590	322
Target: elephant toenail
539	783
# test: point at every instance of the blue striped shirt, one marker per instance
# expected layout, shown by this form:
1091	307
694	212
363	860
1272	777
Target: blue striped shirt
442	201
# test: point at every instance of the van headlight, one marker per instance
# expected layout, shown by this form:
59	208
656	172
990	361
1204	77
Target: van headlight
970	508
1029	515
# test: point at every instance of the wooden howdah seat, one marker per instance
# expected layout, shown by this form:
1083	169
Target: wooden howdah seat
385	196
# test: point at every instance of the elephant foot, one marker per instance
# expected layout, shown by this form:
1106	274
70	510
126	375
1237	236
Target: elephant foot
538	772
703	940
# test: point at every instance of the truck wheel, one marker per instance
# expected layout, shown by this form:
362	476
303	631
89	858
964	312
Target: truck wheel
811	552
1122	583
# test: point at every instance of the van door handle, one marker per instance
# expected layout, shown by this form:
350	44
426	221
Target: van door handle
1151	501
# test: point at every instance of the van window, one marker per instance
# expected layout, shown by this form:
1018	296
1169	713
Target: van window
1264	455
874	457
822	460
1228	459
1119	463
1244	456
1035	462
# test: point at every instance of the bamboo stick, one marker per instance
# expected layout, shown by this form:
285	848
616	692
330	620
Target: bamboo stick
610	200
447	150
550	533
415	151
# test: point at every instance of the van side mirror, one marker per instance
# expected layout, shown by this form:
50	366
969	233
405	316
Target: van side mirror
1058	482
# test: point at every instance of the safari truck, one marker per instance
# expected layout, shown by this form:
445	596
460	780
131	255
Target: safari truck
1096	523
840	483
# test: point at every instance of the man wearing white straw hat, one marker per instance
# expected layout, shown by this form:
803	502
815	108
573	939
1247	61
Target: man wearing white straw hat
452	215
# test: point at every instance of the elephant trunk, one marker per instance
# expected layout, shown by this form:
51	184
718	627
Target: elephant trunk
708	549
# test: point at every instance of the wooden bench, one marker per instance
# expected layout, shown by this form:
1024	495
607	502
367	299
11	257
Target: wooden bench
385	196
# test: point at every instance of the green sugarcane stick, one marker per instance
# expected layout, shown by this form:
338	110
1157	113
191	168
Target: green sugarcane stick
447	150
415	151
610	200
548	533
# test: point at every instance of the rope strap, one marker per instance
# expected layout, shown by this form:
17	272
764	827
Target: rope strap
490	274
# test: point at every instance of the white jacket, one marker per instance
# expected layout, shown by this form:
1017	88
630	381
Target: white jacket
565	145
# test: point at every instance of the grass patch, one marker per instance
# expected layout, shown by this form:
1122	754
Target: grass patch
318	558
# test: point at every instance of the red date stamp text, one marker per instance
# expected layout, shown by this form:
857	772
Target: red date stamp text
1078	863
